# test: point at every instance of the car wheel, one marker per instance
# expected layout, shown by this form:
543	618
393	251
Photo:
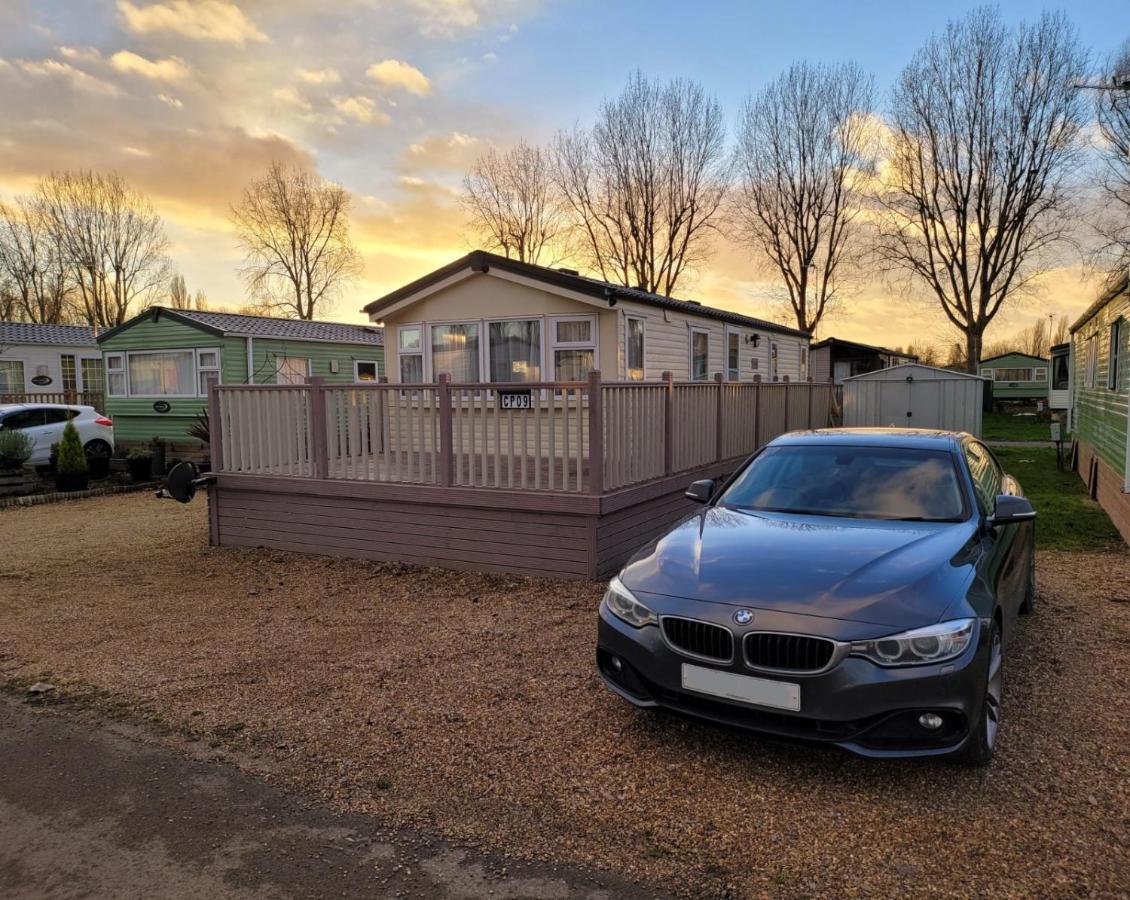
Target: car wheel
1028	606
98	458
983	739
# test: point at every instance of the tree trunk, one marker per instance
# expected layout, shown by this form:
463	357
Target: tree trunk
974	338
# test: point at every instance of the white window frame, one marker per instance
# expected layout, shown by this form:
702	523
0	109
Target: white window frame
734	374
592	344
989	373
484	345
112	370
21	387
83	386
357	363
1090	375
774	360
129	386
422	352
201	368
429	358
627	351
279	357
691	332
803	364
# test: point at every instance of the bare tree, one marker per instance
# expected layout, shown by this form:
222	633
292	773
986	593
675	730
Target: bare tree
32	268
805	149
1112	112
645	184
180	298
111	240
513	205
294	228
985	138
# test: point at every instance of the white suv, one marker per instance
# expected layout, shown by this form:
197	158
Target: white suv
44	423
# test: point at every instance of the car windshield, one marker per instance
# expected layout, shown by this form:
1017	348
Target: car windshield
850	481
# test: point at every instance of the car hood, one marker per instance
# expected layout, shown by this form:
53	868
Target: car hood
902	574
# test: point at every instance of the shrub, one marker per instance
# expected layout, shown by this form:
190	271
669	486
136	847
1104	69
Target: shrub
201	429
15	449
71	462
140	453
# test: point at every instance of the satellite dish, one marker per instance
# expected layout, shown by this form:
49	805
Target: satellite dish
180	483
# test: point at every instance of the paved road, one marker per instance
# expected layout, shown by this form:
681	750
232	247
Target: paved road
86	811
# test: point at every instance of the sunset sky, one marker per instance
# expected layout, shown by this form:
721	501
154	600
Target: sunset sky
189	99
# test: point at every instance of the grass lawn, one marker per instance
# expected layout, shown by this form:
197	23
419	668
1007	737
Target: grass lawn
1068	518
1008	427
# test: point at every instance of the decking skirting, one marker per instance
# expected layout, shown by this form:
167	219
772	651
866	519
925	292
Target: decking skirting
554	534
1105	485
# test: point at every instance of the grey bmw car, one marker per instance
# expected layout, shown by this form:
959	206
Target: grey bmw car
852	587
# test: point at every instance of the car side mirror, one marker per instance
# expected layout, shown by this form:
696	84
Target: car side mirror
1012	509
700	491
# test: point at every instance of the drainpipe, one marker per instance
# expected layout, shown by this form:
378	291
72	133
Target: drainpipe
250	360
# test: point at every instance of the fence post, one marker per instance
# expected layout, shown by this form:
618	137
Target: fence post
596	433
757	412
668	422
786	431
445	441
319	446
718	417
215	429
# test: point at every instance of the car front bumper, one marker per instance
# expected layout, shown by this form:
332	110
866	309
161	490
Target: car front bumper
857	705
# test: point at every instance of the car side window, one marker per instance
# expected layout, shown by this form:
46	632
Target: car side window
25	418
55	416
986	473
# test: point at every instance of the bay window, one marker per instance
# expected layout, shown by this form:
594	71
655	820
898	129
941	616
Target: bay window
514	350
162	373
634	348
455	350
700	354
411	352
574	347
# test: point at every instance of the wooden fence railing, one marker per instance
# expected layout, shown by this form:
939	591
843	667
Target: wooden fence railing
579	437
70	398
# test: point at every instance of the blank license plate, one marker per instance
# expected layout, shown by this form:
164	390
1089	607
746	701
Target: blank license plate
743	688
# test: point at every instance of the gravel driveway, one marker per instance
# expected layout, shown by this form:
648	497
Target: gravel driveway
468	704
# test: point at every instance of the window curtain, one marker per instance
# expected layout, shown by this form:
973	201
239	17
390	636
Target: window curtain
455	350
515	351
573	365
163	374
635	350
700	346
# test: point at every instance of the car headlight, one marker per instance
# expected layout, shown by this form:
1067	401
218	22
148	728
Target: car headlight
932	644
623	605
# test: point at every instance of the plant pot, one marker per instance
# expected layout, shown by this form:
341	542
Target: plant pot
140	470
66	483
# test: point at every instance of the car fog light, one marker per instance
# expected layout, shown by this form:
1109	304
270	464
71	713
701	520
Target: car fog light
930	720
616	664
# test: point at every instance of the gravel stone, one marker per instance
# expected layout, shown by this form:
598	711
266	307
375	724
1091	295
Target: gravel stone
490	726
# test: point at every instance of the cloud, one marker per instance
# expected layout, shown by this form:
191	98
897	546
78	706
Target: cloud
490	57
290	96
452	152
80	54
171	69
170	101
397	74
205	20
75	78
320	76
362	110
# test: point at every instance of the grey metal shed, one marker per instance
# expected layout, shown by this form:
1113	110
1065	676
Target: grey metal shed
915	396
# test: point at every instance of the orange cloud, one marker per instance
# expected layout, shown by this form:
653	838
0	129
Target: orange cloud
361	110
208	20
171	69
320	76
397	74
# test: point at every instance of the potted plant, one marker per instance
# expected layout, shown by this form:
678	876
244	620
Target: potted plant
15	450
140	462
71	473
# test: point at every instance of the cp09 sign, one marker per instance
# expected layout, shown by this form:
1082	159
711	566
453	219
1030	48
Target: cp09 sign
515	400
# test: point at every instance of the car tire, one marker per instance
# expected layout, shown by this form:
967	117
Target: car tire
982	742
1028	605
98	454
